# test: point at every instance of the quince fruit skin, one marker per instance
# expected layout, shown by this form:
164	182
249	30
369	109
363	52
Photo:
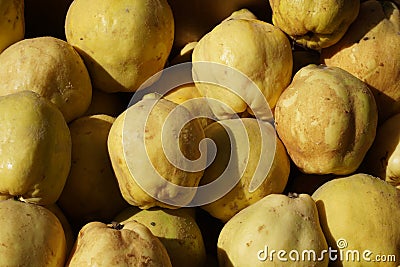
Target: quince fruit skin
12	22
276	222
189	96
91	191
257	49
314	24
248	158
130	244
35	145
370	51
123	43
31	235
364	211
327	120
143	125
50	67
177	229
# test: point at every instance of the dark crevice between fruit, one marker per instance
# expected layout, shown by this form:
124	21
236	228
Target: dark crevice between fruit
116	226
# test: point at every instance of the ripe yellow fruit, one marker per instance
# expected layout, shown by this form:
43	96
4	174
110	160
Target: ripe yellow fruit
31	235
35	145
359	215
183	93
151	147
91	191
124	42
12	23
370	51
259	50
177	230
314	24
50	67
255	235
249	154
327	120
189	96
131	244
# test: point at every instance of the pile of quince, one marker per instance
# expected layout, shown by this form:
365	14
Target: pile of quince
199	133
